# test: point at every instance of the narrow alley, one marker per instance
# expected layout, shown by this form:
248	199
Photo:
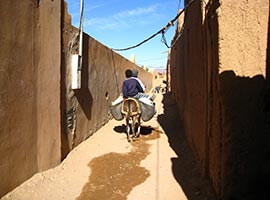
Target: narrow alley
158	165
209	139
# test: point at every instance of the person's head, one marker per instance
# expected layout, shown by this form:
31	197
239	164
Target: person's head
135	73
128	73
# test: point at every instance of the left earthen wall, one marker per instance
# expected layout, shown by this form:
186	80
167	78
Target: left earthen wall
29	89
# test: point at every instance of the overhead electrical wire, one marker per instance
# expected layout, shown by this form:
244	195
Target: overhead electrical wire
162	31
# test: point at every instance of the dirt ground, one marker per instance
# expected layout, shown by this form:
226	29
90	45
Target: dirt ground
159	165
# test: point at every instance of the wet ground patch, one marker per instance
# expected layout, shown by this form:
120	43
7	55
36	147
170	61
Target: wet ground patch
114	175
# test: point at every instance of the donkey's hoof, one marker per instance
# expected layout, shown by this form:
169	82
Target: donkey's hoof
137	135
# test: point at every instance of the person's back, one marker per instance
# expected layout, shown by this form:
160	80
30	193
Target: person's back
131	87
135	76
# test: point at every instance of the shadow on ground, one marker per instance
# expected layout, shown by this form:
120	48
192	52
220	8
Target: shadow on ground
184	166
145	130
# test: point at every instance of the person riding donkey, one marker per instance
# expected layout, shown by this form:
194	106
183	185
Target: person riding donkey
132	87
133	105
132	91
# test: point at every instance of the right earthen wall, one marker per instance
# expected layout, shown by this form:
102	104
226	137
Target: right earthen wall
218	80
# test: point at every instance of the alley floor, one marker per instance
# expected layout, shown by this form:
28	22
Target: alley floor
157	166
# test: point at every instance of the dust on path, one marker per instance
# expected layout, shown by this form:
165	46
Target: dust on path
158	166
118	172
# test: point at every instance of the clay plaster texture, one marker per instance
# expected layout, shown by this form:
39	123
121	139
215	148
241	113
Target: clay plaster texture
42	118
29	89
217	69
243	36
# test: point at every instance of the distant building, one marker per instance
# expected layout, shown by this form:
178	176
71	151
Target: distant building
132	58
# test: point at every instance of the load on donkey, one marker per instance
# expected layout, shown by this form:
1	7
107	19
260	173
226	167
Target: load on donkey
133	110
133	104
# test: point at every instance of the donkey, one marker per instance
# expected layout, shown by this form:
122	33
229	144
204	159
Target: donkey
132	114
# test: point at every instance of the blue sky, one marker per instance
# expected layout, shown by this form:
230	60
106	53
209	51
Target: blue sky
124	23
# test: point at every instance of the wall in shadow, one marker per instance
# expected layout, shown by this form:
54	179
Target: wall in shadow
223	116
194	82
185	166
188	78
245	132
213	137
245	152
64	139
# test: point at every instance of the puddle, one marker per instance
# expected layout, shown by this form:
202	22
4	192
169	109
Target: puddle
114	175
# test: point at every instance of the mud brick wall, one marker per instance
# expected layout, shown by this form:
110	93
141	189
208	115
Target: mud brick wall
218	80
41	118
29	89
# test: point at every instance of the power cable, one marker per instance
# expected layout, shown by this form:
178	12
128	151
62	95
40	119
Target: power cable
162	31
163	40
132	47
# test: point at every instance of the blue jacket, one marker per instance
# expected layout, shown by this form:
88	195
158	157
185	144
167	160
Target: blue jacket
131	87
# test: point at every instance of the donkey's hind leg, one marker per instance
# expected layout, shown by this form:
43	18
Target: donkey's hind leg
128	129
133	126
138	126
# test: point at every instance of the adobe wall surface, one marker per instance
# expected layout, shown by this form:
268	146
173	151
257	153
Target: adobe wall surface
218	70
188	79
29	107
243	37
41	118
242	84
48	43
